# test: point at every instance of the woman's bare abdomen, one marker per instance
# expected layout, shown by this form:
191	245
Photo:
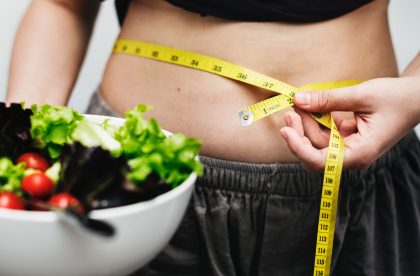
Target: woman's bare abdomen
354	46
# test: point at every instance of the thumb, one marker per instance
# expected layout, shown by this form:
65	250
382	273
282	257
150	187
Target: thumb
342	99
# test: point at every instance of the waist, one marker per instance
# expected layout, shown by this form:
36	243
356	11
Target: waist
205	105
294	180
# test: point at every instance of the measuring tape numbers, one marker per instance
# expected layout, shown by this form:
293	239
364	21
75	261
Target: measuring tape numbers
255	112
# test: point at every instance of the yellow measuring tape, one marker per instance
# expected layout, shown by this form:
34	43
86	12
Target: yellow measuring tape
255	112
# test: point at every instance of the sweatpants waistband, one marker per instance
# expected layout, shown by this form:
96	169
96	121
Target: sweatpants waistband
291	179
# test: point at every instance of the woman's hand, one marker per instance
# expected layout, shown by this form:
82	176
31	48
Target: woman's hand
384	111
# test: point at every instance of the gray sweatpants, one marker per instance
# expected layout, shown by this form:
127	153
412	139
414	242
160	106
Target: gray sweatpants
261	219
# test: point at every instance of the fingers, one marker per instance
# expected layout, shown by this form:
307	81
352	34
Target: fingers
310	157
347	127
342	99
357	155
318	135
359	152
360	149
294	121
344	125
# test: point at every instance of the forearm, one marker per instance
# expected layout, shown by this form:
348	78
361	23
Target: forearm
413	70
49	49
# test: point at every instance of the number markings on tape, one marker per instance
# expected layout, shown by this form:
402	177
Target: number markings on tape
255	112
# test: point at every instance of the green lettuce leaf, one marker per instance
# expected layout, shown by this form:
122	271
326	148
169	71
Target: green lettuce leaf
55	126
94	135
149	151
11	176
52	127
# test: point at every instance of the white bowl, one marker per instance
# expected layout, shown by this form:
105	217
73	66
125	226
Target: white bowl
40	243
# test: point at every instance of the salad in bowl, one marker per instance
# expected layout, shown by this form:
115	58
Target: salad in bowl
126	172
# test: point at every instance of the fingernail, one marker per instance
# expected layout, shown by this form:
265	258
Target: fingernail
303	98
287	119
283	133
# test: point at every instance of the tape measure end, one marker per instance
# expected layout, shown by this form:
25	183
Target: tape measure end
245	117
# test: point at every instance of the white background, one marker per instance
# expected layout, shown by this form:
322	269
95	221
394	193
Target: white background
404	20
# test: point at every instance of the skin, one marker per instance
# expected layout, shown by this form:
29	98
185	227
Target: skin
381	118
194	102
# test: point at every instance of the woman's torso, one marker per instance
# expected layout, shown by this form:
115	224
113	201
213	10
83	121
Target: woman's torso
354	46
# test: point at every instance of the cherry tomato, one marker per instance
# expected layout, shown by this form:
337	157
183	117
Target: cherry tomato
38	185
11	201
64	200
34	161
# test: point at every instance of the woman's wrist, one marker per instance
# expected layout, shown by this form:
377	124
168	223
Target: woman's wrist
413	71
412	97
416	101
